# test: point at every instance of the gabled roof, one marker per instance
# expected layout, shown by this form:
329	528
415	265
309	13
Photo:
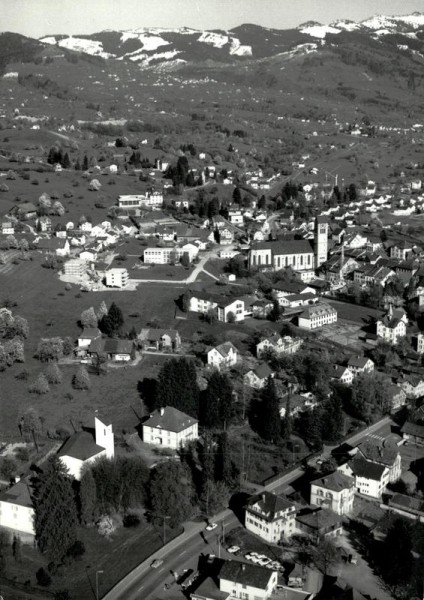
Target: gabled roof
90	333
286	247
245	574
262	371
358	361
20	493
377	453
320	519
366	469
335	482
269	504
413	429
81	446
225	348
169	419
155	335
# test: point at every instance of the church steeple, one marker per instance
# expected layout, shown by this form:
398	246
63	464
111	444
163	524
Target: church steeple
321	241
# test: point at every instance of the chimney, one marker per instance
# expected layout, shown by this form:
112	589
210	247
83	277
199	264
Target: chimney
17	478
263	497
162	411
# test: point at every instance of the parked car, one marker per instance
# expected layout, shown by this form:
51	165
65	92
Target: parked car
156	563
211	526
233	549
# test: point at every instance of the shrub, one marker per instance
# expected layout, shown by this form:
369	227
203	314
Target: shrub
8	468
53	374
22	375
81	379
35	182
76	550
131	520
22	453
39	386
43	578
62	433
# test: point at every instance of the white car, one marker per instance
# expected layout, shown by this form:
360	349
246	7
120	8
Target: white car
211	526
233	549
263	562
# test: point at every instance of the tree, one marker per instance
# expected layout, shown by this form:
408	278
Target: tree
15	350
40	386
30	425
19	328
17	548
171	492
66	163
309	427
53	374
326	556
43	577
88	497
185	259
50	349
55	518
177	386
396	555
268	414
333	420
287	425
101	311
89	318
217	407
120	483
8	467
85	163
99	363
111	323
275	313
214	497
81	379
237	195
223	465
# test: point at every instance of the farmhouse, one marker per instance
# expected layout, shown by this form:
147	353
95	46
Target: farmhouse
116	349
160	339
224	355
169	427
413	432
271	517
83	447
335	491
88	335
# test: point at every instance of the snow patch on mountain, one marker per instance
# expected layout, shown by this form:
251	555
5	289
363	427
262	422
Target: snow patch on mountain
214	39
319	31
150	42
87	46
146	59
238	49
345	24
49	40
380	22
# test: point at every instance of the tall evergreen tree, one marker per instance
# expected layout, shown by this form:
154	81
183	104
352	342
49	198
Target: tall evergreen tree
171	492
85	163
77	165
396	556
237	195
177	386
88	497
55	510
269	421
223	466
217	406
66	163
111	323
287	427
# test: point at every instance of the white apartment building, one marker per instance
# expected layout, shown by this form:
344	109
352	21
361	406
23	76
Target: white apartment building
75	267
317	315
169	427
335	491
116	278
168	254
370	478
278	344
271	517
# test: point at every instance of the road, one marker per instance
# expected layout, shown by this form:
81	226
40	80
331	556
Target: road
184	550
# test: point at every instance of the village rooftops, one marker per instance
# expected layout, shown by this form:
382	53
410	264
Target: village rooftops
378	453
81	445
269	505
245	574
319	519
20	493
335	482
357	361
169	419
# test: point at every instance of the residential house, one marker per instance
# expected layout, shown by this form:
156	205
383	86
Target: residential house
55	245
226	236
271	517
382	454
420	343
392	326
413	385
202	302
88	335
360	364
116	278
395	396
370	478
7	228
169	254
116	350
373	274
400	250
319	523
413	432
342	375
169	427
223	356
261	309
83	448
25	210
160	339
317	316
17	509
257	378
237	579
278	344
43	224
335	491
230	309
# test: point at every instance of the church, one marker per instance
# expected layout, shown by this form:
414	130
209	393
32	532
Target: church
300	255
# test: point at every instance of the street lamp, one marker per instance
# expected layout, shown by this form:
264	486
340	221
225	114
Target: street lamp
97	583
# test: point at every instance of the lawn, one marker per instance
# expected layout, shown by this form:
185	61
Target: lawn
354	312
115	557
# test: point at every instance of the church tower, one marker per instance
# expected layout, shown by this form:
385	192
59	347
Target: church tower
321	241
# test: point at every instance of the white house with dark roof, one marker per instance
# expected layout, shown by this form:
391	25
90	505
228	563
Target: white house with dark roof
17	509
84	448
341	374
392	327
278	344
370	478
169	427
335	491
88	335
257	378
224	355
360	364
230	309
317	316
384	454
160	339
271	517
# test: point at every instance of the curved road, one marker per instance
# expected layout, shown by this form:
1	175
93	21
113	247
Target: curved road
140	583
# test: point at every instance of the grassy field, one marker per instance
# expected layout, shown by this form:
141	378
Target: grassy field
354	312
115	557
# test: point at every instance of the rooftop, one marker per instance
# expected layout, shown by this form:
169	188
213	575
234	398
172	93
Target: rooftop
20	493
334	481
269	503
367	469
81	446
245	574
169	419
